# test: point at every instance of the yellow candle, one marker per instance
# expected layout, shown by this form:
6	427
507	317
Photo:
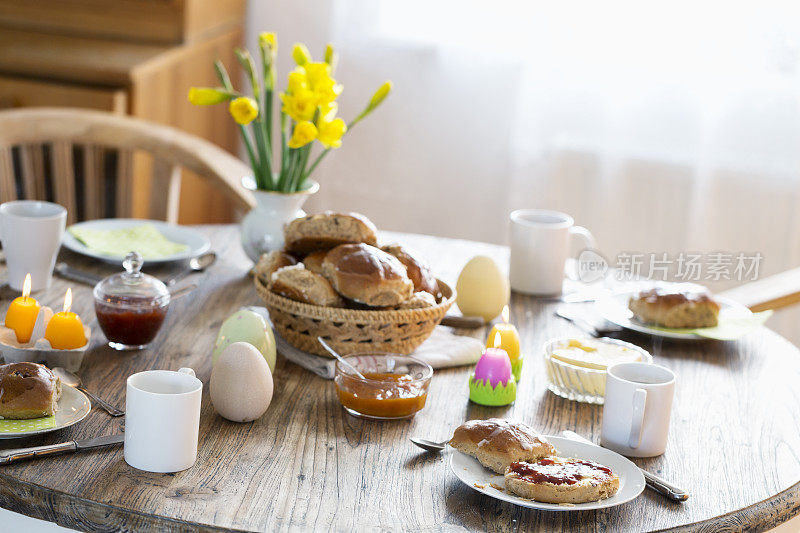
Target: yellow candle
65	329
509	341
22	313
509	337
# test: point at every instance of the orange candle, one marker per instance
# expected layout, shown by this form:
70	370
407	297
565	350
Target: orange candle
22	313
65	329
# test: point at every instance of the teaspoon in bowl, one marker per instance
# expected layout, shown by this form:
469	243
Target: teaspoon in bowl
429	445
196	264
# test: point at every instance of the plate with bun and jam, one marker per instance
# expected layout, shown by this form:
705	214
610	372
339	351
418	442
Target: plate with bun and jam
509	461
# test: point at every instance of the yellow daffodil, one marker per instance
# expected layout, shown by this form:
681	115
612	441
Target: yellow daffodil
331	57
317	73
328	111
304	132
268	40
320	81
243	109
327	92
380	95
330	132
299	105
300	54
297	80
208	95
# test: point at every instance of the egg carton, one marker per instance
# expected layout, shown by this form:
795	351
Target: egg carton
38	350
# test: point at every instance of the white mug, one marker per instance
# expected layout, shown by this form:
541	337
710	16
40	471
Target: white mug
162	420
637	409
31	233
539	248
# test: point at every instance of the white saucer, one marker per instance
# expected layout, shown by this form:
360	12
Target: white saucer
196	241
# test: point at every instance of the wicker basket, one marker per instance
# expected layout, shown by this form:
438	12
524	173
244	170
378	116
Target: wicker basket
351	331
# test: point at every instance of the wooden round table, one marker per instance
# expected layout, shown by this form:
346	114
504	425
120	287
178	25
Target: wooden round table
734	437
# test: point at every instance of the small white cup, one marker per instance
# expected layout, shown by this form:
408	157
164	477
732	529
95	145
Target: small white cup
637	409
539	248
31	233
162	420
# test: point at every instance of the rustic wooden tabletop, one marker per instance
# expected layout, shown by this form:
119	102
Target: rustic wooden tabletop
734	438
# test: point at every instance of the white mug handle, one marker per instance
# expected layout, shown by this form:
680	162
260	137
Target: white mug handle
588	243
637	418
185	370
585	235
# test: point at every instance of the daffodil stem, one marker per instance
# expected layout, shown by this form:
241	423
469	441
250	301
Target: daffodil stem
250	153
265	170
285	180
321	156
315	163
300	176
225	80
298	159
284	151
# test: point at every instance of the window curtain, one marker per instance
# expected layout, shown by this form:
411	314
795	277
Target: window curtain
663	128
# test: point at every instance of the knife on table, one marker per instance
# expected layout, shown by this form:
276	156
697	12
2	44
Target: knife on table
21	454
66	271
654	482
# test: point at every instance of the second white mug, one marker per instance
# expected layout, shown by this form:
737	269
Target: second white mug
31	233
540	243
637	409
162	420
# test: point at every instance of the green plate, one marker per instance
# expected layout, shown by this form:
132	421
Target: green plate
72	408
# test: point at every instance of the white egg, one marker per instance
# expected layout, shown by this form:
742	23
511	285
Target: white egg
241	383
482	288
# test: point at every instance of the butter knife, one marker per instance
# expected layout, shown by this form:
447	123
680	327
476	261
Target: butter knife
466	322
66	271
21	454
597	329
654	482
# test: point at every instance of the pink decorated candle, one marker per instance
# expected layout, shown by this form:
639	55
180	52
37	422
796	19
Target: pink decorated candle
495	366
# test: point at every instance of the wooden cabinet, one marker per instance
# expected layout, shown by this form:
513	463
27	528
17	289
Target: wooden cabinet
127	56
154	21
22	92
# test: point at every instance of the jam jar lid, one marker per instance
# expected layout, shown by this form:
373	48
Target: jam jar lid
132	288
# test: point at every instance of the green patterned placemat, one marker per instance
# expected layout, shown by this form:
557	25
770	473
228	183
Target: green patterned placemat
23	426
145	239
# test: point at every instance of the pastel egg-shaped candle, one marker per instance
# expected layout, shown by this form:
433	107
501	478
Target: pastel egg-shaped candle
246	326
482	289
494	366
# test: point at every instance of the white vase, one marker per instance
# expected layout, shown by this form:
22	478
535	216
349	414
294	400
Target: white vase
262	227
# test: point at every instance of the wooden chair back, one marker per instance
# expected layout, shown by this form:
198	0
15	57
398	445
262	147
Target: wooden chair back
93	163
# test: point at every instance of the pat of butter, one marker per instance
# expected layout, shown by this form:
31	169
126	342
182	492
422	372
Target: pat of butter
596	355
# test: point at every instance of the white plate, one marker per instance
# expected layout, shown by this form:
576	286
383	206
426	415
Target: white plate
631	479
73	406
197	242
614	308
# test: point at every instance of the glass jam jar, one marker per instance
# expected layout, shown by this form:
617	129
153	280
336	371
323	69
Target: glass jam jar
131	306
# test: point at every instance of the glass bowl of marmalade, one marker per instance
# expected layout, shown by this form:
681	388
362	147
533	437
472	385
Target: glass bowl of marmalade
131	306
394	387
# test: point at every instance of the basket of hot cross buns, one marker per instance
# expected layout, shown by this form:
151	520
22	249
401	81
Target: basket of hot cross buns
333	280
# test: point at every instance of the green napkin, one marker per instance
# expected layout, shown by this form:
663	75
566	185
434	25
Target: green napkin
729	328
23	426
145	239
